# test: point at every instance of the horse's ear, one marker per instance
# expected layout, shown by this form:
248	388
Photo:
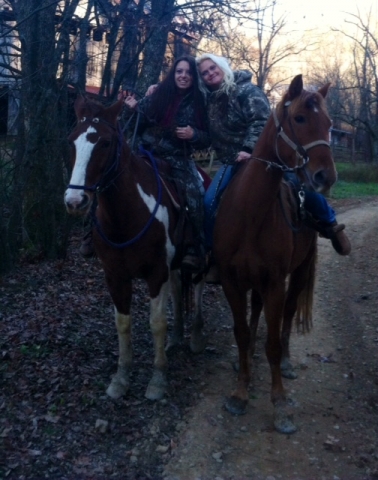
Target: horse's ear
296	87
79	105
114	110
324	90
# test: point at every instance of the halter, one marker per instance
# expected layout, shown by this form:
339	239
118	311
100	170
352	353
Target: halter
98	189
300	150
301	155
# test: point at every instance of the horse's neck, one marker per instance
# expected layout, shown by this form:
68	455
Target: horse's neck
264	152
117	200
265	179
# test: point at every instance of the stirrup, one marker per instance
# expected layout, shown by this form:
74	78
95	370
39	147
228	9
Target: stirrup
192	263
212	275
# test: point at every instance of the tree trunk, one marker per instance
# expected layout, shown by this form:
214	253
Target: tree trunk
156	42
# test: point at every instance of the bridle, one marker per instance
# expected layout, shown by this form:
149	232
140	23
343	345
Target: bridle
99	187
300	150
301	157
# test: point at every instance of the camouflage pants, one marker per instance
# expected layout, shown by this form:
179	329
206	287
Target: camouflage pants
184	171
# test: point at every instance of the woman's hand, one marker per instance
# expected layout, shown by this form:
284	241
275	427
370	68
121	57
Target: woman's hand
185	133
241	156
131	102
151	89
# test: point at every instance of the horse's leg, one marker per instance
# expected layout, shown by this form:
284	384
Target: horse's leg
177	336
197	339
120	381
273	300
238	400
158	323
256	308
294	289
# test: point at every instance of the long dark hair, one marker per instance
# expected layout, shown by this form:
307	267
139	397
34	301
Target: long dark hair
164	99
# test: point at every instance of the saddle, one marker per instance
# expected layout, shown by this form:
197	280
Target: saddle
183	235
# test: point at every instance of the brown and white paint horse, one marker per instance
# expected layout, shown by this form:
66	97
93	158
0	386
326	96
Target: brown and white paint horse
134	237
256	247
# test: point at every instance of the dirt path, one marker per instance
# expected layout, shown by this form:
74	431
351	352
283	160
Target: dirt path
336	393
58	351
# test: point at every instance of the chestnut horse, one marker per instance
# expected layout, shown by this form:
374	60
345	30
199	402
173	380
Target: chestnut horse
134	236
256	245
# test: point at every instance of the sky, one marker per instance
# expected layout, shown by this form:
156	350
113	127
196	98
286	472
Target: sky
323	14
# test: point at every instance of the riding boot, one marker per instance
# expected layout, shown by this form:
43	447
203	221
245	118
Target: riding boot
194	258
340	242
86	248
212	275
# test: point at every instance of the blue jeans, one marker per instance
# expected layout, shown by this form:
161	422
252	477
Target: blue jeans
315	203
211	201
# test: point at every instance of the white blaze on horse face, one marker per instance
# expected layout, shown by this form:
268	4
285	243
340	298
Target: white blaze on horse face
163	217
84	150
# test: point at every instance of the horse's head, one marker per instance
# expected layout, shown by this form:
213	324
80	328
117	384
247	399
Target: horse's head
93	152
303	126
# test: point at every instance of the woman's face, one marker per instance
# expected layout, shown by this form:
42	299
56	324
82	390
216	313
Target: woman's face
183	75
211	74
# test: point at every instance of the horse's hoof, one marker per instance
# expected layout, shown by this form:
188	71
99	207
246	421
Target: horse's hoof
117	389
198	343
287	370
283	421
289	373
157	387
236	406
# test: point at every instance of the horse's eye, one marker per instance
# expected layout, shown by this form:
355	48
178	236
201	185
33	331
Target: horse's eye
299	119
82	120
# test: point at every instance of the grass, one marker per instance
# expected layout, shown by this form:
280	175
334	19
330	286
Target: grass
355	180
352	189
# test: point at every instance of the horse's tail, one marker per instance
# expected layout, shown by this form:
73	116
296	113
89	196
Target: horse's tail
303	317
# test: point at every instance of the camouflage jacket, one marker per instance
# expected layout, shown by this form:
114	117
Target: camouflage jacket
239	127
163	140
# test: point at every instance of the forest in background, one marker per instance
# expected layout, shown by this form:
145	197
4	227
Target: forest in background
51	50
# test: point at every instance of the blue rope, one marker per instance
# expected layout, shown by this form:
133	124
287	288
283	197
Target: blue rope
150	220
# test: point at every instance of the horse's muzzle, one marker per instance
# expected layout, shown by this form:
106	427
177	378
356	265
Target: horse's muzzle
321	180
77	202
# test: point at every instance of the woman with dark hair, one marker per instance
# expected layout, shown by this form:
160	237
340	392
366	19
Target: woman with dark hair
171	124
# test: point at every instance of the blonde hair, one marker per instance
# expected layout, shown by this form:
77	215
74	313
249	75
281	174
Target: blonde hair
228	81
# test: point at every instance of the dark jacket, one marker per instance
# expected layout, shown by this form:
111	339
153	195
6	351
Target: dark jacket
236	120
162	140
